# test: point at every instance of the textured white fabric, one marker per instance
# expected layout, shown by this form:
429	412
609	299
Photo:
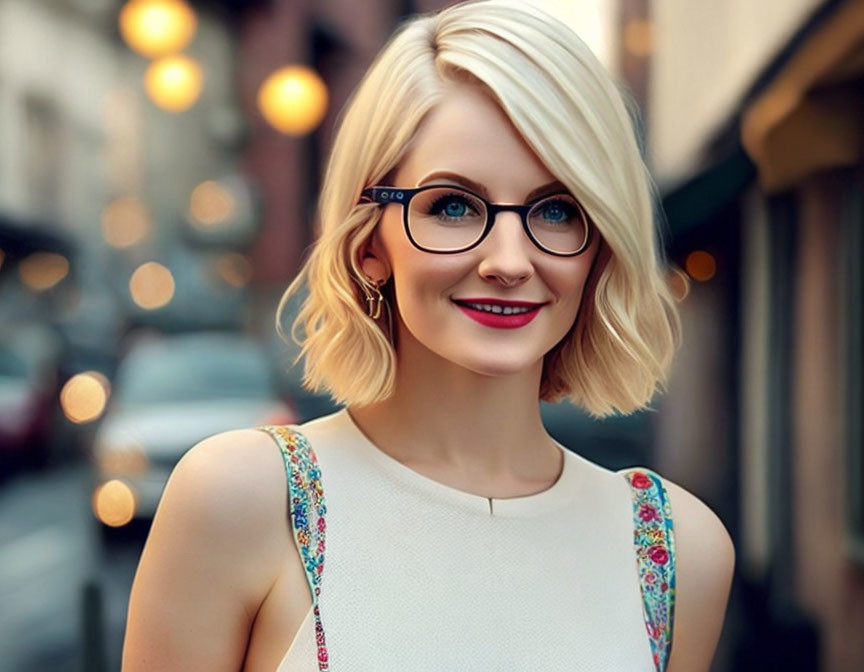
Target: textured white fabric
423	577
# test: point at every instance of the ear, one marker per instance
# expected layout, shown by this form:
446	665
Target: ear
373	260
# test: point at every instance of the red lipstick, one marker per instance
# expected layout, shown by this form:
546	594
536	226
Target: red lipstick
499	320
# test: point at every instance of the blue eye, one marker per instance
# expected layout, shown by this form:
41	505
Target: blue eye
556	211
452	205
454	209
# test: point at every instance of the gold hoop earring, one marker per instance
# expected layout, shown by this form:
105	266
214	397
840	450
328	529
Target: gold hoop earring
373	308
374	304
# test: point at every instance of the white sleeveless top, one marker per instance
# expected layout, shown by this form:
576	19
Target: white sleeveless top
423	577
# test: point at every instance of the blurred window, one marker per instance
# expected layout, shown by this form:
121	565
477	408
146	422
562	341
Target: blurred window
44	158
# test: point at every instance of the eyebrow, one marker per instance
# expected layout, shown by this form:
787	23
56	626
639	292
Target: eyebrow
551	187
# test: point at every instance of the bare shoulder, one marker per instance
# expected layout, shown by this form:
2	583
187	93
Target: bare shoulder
211	556
705	562
234	480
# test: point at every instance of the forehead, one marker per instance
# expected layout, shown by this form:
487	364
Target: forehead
468	133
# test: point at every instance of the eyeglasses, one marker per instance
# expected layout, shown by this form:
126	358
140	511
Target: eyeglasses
443	219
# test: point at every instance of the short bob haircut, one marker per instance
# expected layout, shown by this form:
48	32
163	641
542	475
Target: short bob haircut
570	111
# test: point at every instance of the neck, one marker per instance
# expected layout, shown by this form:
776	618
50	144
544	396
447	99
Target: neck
457	425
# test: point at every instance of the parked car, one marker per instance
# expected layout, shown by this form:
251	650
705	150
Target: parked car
169	393
29	388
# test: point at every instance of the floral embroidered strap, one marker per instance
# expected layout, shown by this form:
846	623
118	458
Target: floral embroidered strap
654	542
307	509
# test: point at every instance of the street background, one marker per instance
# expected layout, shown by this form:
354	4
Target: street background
159	168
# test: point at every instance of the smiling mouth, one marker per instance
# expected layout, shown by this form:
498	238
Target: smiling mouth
487	316
498	310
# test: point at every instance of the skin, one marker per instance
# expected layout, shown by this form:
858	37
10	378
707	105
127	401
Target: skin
466	403
465	414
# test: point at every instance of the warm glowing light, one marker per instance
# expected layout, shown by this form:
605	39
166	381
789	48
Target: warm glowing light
638	37
84	396
293	100
125	222
2	258
43	270
700	266
174	82
157	27
114	503
211	204
151	285
235	269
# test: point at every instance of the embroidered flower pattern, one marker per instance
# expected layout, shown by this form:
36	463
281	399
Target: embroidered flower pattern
654	542
307	513
653	539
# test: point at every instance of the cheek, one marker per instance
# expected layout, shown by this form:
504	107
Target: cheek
419	275
570	284
574	281
424	283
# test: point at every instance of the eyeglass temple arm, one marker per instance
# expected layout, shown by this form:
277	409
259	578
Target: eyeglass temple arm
385	195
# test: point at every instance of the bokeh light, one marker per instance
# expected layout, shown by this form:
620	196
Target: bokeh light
114	503
84	396
174	82
235	269
151	285
211	204
2	258
701	265
293	99
125	222
43	270
157	27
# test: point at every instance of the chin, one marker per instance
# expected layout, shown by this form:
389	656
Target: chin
495	367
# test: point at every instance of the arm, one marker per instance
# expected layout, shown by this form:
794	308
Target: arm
209	559
705	557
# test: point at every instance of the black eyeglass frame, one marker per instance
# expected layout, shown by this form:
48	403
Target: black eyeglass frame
384	195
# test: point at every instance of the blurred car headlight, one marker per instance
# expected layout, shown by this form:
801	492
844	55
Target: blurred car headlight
122	460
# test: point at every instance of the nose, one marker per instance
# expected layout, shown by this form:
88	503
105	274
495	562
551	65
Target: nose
507	250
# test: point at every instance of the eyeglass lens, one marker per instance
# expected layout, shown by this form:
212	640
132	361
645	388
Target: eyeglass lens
450	219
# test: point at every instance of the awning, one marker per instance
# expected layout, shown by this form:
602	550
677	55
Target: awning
810	116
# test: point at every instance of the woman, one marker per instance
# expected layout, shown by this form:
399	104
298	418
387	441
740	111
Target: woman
486	242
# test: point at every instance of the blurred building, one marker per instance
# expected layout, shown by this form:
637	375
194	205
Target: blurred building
752	115
755	129
338	39
80	136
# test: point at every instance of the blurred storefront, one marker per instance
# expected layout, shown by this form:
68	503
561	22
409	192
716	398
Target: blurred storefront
117	212
756	128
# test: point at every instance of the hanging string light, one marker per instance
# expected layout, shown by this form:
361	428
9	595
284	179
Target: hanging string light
293	99
174	83
155	28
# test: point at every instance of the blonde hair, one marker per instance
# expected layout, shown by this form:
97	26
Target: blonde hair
565	105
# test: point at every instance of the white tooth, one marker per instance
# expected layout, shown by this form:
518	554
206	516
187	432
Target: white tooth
499	310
